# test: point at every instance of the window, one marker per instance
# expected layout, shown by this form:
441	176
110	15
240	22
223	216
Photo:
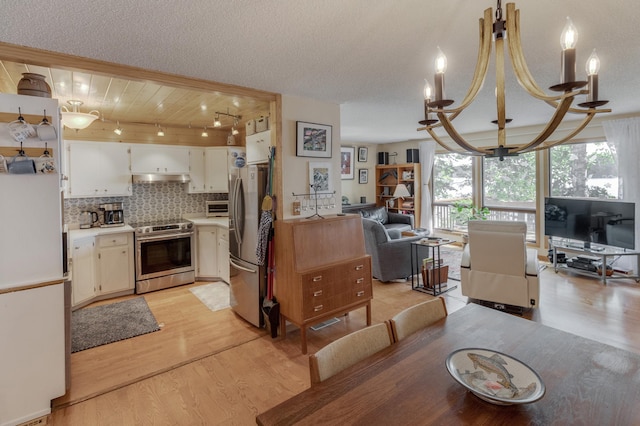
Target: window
509	189
452	183
584	170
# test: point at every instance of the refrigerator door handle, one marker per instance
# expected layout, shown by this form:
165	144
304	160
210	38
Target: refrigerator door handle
236	210
242	268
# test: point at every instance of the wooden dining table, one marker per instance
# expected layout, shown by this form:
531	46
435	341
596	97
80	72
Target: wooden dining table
587	382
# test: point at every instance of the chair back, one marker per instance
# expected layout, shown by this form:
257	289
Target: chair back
416	317
348	350
498	246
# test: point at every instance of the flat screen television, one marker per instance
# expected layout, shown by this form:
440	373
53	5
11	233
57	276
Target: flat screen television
610	223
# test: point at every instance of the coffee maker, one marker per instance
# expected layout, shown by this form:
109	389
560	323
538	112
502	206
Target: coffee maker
112	214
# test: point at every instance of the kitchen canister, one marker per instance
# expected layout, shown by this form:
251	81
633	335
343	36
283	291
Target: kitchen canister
32	84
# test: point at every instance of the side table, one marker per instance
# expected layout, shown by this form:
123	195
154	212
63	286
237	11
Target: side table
438	286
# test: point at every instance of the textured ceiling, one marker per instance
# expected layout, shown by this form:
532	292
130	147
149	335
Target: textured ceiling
371	57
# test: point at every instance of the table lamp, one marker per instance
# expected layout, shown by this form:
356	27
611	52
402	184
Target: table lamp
401	191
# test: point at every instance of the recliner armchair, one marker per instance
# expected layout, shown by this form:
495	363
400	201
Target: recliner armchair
394	223
390	258
496	265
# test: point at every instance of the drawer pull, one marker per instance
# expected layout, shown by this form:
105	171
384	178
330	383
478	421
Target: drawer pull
318	308
317	293
360	293
359	267
359	280
318	278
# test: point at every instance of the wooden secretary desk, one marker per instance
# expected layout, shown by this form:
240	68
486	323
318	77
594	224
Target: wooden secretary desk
322	270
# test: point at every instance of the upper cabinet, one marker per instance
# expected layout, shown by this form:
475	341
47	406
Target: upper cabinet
258	147
197	184
216	169
97	169
163	159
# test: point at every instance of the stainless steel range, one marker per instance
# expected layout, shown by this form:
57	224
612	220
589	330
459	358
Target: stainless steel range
164	255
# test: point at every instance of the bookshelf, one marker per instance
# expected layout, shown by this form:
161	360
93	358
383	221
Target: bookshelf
388	176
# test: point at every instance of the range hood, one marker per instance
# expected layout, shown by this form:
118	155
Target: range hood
156	177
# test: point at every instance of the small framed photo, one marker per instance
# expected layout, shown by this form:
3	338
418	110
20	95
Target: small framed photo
363	175
363	152
347	158
320	177
313	140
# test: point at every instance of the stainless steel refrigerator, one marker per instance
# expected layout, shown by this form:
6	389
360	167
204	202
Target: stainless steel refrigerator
247	187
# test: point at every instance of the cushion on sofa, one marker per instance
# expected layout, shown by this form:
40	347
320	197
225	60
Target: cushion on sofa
379	214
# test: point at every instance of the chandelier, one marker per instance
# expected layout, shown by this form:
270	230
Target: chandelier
568	88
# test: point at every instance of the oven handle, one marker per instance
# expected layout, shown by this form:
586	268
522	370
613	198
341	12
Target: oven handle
165	237
242	268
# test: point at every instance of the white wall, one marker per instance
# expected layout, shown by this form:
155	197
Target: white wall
295	173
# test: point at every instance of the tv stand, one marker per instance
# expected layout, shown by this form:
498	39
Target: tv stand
599	256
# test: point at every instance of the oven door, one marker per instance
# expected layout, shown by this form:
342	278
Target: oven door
160	255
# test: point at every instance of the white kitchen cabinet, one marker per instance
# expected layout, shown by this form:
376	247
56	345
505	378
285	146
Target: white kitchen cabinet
83	281
98	169
207	244
258	147
197	171
115	270
223	255
162	159
216	169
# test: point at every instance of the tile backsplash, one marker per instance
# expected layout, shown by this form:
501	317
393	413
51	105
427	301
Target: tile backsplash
149	202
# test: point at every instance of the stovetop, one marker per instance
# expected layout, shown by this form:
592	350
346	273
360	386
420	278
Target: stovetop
162	226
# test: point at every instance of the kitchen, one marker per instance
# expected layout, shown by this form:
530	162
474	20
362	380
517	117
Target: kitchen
118	207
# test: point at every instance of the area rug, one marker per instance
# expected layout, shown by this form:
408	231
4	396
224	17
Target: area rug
452	257
215	296
100	325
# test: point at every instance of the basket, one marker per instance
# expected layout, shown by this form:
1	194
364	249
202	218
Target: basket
434	276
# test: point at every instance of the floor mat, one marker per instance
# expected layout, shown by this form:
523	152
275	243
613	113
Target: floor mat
100	325
215	296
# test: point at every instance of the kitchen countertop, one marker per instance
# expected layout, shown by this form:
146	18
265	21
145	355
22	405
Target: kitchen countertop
94	232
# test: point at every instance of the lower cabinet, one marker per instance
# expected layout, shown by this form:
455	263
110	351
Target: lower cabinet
83	284
101	267
212	242
224	270
115	263
207	242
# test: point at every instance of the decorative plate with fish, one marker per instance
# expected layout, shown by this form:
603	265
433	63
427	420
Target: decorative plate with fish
495	377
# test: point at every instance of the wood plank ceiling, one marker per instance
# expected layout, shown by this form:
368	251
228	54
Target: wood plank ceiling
129	101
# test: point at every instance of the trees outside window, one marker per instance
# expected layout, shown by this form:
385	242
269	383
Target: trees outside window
584	170
510	183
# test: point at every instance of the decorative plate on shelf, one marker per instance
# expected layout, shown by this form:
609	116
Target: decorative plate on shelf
495	377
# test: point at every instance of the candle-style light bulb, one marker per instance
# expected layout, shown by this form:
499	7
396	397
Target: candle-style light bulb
569	36
441	67
568	41
441	62
593	64
427	91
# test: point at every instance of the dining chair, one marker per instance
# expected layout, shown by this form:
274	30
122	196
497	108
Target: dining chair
348	350
416	317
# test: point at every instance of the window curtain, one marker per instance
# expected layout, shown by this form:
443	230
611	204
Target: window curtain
625	136
427	157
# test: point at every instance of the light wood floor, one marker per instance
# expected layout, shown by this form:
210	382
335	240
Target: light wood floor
212	368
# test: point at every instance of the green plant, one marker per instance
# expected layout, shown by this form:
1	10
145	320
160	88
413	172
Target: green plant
463	212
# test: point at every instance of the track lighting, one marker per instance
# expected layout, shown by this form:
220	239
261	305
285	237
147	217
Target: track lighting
118	130
216	121
204	133
160	131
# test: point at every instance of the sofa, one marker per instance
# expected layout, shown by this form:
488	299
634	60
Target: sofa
390	257
394	223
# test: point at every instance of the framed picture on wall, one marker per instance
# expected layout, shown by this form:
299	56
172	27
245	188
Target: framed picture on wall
320	176
313	140
363	175
363	152
347	158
